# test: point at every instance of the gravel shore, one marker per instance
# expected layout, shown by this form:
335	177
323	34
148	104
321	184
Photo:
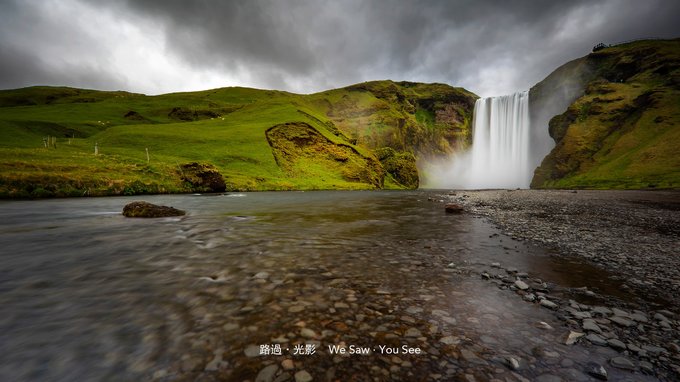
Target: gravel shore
633	234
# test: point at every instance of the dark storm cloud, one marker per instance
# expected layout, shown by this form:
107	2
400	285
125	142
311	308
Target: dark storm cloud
488	47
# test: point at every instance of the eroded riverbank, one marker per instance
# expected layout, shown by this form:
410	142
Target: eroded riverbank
91	295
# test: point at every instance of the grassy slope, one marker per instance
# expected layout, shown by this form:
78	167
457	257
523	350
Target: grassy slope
225	127
624	131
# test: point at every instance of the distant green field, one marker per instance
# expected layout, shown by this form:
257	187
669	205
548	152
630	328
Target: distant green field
222	127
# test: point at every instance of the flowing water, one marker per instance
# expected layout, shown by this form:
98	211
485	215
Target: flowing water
500	143
87	294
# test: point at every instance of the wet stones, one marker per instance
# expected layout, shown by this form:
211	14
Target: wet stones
303	376
591	326
453	208
267	374
521	285
622	363
596	370
616	344
596	339
573	337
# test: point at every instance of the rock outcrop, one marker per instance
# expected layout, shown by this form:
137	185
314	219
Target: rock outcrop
302	151
622	123
202	177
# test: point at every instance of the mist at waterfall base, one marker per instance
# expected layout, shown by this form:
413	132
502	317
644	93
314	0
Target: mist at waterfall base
500	155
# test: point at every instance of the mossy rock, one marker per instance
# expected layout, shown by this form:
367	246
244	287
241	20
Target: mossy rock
303	152
203	177
401	165
149	210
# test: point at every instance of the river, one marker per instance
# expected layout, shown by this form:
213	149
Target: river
87	294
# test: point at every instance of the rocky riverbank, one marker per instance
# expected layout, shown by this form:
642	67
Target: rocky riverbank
633	233
632	236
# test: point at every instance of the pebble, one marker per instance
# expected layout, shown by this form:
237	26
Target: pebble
252	351
303	376
450	340
267	374
596	340
591	325
596	370
471	357
521	285
412	332
622	363
287	364
621	321
602	310
308	333
511	362
572	337
548	304
646	367
616	344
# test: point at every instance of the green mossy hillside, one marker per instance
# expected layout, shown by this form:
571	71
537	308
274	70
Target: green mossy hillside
72	142
624	131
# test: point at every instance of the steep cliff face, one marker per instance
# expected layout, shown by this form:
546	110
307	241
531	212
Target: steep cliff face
621	128
423	119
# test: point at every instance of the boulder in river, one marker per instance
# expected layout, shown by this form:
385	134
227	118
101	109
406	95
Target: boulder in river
453	208
148	210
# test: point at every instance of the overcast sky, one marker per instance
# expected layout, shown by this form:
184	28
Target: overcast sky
160	46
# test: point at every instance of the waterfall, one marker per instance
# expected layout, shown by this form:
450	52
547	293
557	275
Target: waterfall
499	157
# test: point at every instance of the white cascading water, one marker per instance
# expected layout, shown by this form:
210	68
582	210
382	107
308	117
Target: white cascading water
499	157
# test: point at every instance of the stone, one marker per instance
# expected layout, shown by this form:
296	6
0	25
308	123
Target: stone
412	332
529	297
616	344
252	351
148	210
622	363
521	285
572	337
601	310
267	374
511	362
639	317
543	325
471	357
647	368
308	333
450	340
453	208
591	326
596	340
303	376
287	364
655	350
660	317
620	313
621	321
548	304
596	370
581	315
